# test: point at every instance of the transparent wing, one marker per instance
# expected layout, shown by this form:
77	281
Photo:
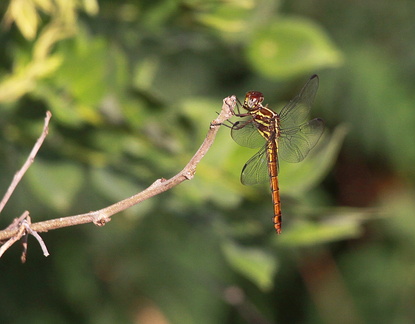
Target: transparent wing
296	111
295	143
245	133
256	169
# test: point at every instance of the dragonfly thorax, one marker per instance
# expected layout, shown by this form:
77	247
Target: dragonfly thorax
266	122
253	100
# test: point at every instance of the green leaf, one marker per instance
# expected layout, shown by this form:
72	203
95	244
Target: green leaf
91	7
56	183
307	233
333	224
291	46
25	15
79	84
228	17
253	263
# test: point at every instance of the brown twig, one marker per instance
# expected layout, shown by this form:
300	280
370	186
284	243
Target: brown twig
23	224
26	223
20	232
102	216
19	174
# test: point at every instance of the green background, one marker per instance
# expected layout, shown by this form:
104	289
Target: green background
133	86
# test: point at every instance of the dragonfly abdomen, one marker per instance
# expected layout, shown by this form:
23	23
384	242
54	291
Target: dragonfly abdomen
272	157
266	122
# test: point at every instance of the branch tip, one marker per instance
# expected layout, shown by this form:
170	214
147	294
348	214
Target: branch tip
227	111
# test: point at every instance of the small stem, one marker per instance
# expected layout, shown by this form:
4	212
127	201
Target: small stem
19	174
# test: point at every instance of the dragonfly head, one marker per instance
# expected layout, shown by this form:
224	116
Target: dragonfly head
253	100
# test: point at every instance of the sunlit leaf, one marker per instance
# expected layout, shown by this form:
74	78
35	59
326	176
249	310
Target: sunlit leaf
91	7
79	84
327	225
253	263
24	79
306	234
289	47
26	17
44	5
229	17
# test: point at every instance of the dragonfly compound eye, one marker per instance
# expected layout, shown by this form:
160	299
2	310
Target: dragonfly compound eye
253	99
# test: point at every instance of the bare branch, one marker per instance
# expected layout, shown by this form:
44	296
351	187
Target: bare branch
23	225
102	216
19	232
19	174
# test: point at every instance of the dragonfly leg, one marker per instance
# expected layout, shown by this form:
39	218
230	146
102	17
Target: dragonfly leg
224	124
239	103
239	125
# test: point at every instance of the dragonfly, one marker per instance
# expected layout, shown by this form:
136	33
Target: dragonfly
288	135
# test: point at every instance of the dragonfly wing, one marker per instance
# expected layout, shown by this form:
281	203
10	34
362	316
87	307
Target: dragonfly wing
296	111
295	143
245	133
256	169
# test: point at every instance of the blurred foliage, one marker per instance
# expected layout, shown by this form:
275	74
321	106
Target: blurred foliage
133	86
